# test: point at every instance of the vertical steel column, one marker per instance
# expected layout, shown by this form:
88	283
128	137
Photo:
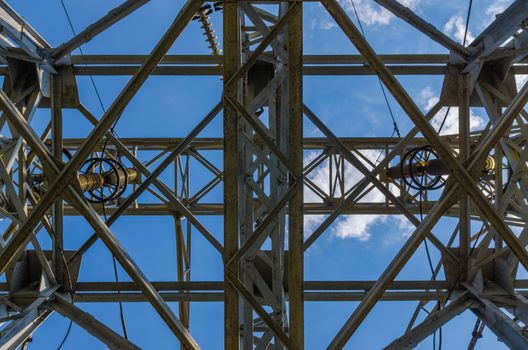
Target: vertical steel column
464	153
295	218
231	64
280	128
245	204
58	206
182	244
265	179
498	156
183	270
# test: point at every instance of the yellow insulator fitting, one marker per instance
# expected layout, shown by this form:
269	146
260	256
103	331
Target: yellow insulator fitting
90	182
490	164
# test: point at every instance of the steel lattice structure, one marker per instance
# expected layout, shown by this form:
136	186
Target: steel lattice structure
264	177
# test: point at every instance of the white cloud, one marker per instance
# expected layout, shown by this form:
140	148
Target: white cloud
311	222
360	226
357	226
456	27
427	99
371	14
328	25
350	226
368	12
496	8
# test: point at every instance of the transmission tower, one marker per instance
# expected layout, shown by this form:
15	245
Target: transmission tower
423	175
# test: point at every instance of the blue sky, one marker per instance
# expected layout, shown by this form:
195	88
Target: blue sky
355	248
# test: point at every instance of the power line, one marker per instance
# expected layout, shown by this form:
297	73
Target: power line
70	282
65	336
444	120
421	219
112	130
395	125
467	22
116	277
430	261
463	44
82	53
397	131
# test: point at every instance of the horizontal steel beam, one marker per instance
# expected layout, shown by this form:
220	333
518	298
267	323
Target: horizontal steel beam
308	285
112	297
215	296
307	70
216	143
202	70
330	286
159	209
428	59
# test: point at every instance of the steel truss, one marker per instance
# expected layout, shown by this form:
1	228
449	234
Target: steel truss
264	178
